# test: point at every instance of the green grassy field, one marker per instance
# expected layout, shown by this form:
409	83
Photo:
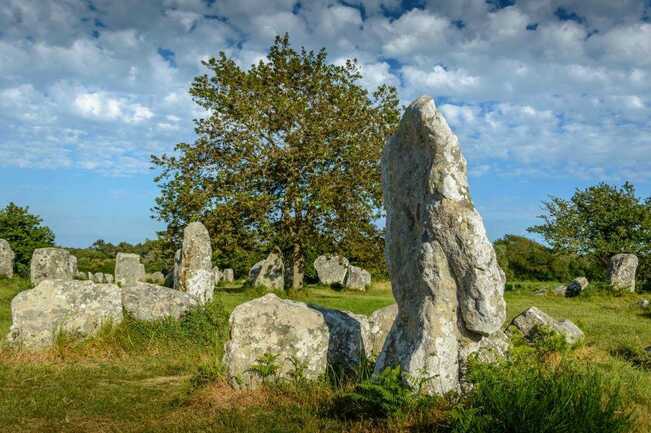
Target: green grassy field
165	377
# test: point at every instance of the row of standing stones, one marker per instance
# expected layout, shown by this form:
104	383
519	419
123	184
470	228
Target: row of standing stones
444	275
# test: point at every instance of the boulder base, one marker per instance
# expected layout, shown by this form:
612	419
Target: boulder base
74	307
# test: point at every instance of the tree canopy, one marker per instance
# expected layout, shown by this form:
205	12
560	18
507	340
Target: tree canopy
599	221
25	233
287	155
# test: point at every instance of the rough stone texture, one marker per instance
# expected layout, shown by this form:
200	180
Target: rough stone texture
269	273
177	270
228	275
444	272
7	257
72	263
527	321
98	277
108	278
81	276
195	273
90	276
51	263
276	326
155	278
74	307
146	301
128	269
331	269
622	272
574	288
380	323
217	274
357	278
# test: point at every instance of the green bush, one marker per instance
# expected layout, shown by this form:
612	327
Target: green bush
634	354
526	397
546	340
378	397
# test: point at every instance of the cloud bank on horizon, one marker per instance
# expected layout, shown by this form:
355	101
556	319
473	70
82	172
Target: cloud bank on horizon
538	88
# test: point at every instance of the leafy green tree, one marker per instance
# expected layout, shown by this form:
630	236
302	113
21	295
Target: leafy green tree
25	233
287	155
599	221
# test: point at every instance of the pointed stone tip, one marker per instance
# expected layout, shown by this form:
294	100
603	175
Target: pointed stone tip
422	102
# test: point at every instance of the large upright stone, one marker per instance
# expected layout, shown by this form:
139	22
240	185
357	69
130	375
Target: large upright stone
7	257
269	273
331	269
195	272
357	278
228	276
622	272
128	269
51	263
74	307
444	272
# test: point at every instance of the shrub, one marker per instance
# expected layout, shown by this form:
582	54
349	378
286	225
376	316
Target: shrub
545	340
529	398
634	354
380	396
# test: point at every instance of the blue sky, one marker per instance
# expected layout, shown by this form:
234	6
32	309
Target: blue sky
545	95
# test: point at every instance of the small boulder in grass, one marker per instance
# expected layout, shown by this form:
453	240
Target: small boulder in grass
532	318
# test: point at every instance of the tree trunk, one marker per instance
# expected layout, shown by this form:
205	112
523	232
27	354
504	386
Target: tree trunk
298	267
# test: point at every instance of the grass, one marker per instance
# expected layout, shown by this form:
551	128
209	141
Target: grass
166	376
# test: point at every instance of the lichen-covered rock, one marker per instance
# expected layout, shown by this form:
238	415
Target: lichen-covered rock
51	263
81	276
128	269
269	273
72	263
146	301
380	323
296	334
331	269
98	277
155	278
228	276
195	273
74	307
622	272
217	274
573	289
7	257
357	278
176	271
443	268
108	278
532	318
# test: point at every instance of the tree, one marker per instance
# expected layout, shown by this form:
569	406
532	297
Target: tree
599	221
287	155
24	233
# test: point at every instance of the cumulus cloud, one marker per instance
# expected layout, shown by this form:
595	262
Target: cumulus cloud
536	88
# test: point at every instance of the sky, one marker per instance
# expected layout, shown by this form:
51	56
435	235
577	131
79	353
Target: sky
546	96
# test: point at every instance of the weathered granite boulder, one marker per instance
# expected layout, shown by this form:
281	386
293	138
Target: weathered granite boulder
195	273
573	289
98	277
146	301
128	269
74	307
176	270
622	272
90	276
108	278
269	273
228	276
51	263
380	323
315	337
7	257
357	278
217	273
81	276
155	278
532	318
444	272
331	269
72	263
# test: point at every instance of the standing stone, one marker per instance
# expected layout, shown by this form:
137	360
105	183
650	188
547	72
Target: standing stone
576	287
217	274
90	276
444	272
128	269
74	307
176	270
50	263
146	301
108	278
7	257
72	263
622	272
269	273
380	324
228	275
98	277
357	278
331	269
195	273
